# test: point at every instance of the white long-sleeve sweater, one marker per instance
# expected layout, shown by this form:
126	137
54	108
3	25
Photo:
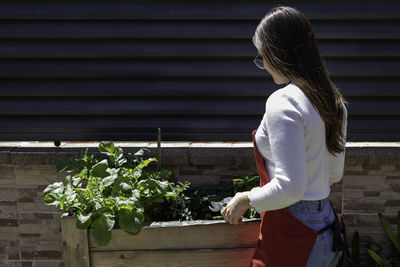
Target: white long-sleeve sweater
291	138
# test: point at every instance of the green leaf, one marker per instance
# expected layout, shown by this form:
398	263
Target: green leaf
122	161
107	147
144	163
130	220
109	180
68	180
99	169
76	181
101	236
102	229
61	203
125	187
379	260
83	220
140	152
119	152
374	247
56	188
67	165
163	185
389	232
122	201
52	199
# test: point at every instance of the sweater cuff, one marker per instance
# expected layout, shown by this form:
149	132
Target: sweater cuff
256	197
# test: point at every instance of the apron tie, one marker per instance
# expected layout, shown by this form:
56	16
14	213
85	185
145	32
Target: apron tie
338	243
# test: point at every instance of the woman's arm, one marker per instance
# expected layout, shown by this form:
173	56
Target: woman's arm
286	137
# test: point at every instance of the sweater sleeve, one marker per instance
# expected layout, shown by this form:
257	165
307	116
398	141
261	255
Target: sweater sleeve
286	136
336	163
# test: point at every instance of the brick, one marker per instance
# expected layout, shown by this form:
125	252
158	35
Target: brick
31	156
7	207
369	166
8	194
217	157
355	173
388	167
12	253
391	210
9	234
353	167
367	183
244	158
372	193
392	180
189	170
7	176
236	173
370	205
8	222
30	238
5	156
361	220
201	180
33	175
392	203
395	187
10	264
175	156
31	199
48	225
8	215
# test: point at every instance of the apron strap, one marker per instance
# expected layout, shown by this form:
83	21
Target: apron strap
338	243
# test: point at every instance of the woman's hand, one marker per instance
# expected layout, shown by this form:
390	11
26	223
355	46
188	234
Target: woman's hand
235	209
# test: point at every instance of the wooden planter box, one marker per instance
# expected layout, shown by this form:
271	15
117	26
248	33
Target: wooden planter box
187	243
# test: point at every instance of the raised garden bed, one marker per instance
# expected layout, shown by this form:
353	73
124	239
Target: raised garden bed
185	243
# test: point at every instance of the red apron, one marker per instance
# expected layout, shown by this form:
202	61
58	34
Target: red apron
284	241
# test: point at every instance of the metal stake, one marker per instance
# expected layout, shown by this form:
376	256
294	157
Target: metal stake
159	148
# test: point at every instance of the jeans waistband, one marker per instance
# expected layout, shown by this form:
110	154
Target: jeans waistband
307	205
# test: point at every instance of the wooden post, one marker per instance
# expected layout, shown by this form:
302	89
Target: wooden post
159	148
75	243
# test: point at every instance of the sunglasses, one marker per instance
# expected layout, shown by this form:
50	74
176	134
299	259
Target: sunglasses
259	61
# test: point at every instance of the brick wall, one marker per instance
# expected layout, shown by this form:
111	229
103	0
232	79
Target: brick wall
30	232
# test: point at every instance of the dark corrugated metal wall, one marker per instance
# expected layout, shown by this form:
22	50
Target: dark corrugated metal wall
118	70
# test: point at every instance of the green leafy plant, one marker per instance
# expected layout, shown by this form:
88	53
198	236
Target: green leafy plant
353	258
229	189
116	192
375	251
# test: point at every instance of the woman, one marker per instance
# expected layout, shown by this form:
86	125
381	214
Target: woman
299	150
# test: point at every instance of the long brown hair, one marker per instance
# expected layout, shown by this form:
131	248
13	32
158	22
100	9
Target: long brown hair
285	39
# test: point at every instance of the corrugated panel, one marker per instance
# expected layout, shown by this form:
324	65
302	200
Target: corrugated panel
118	70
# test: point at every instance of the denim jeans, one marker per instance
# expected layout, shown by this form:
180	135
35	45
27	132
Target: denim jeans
316	215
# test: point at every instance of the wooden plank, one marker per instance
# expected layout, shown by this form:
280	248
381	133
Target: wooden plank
219	235
75	244
176	258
